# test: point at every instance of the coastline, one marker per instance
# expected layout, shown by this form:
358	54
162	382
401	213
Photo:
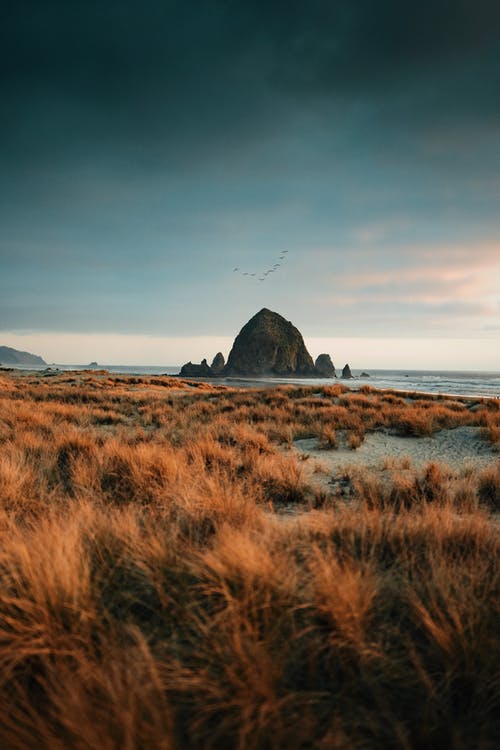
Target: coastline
451	384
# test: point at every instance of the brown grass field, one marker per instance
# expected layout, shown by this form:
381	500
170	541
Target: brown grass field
172	575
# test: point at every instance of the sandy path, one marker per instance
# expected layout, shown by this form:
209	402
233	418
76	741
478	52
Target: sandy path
456	448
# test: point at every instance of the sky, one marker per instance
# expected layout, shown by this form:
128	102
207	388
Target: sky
149	148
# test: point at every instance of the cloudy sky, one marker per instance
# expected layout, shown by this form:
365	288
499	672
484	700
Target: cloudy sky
149	147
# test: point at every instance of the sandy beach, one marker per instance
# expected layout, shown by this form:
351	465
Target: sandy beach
457	448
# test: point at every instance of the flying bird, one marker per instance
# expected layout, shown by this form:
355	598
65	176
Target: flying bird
265	273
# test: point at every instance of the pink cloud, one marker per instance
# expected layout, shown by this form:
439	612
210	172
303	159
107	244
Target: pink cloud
434	274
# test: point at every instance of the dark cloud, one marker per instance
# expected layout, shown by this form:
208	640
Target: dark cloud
86	73
92	46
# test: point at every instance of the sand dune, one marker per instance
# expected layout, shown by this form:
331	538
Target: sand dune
456	447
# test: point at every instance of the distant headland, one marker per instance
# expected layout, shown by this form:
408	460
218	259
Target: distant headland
267	346
9	356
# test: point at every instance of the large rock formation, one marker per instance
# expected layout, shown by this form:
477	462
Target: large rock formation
190	370
9	356
325	367
269	345
218	364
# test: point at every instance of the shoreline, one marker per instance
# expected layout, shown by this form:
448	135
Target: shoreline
354	384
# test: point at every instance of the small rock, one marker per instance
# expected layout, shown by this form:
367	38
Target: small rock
190	370
218	364
346	373
325	367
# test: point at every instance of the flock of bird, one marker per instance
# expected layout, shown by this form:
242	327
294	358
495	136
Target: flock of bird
264	274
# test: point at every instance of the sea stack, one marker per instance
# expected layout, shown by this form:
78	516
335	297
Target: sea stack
325	367
269	345
218	364
190	370
346	373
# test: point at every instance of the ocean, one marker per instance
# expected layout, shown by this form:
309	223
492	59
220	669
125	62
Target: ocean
453	382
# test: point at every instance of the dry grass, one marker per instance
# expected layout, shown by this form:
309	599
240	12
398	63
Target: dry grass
152	595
